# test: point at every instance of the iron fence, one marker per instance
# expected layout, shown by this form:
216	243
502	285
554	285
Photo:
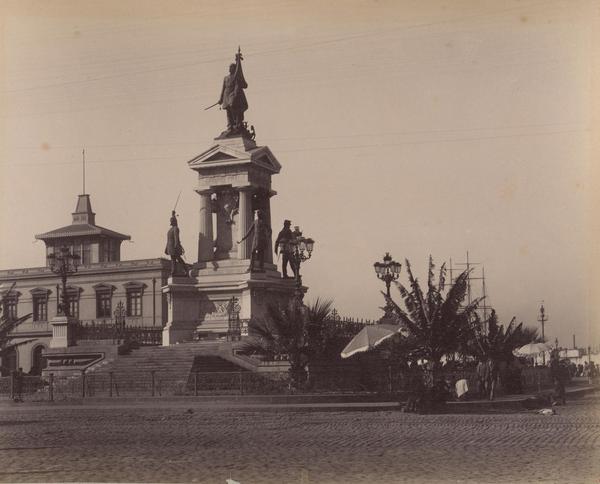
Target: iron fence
161	383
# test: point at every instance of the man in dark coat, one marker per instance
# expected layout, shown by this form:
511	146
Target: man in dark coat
174	248
233	99
558	375
284	238
262	234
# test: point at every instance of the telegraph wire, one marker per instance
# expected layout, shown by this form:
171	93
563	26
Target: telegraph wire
276	50
332	148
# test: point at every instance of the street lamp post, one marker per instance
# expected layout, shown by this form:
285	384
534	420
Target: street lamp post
387	271
300	249
542	319
64	264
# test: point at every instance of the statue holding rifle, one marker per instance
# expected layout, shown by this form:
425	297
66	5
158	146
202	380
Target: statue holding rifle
174	249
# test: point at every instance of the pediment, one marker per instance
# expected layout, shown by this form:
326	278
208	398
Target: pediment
220	156
264	157
224	155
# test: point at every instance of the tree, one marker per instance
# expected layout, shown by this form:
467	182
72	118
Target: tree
296	331
7	324
491	341
435	322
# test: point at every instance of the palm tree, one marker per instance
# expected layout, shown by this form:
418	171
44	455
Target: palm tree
7	325
492	344
298	332
435	322
493	341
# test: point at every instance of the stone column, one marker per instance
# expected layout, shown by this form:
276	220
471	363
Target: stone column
205	233
267	209
245	221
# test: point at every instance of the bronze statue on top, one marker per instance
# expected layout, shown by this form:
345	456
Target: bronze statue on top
233	99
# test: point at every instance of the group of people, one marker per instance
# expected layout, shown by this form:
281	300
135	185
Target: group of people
590	370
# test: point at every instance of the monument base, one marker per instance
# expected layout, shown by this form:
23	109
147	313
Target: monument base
201	306
62	332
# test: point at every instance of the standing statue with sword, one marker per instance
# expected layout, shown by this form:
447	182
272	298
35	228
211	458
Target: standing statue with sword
233	99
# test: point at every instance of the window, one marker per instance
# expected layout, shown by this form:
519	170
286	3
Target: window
10	308
134	302
73	301
103	303
49	252
73	293
86	257
40	307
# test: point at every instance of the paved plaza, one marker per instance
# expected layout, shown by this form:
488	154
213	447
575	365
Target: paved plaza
175	441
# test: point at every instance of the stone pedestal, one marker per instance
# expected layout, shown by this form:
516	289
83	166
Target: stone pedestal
62	332
183	303
198	307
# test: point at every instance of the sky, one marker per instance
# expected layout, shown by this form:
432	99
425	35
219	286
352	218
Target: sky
415	127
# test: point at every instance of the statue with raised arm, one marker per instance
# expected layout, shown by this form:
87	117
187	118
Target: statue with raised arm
233	99
260	241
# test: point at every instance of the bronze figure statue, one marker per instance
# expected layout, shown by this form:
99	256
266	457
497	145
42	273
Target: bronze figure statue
174	249
260	241
233	99
283	242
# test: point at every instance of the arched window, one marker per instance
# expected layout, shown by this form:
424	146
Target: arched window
38	362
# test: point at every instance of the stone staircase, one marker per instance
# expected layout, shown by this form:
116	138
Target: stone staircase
162	370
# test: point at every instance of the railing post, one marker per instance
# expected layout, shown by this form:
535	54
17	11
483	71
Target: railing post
82	383
196	383
51	388
152	373
13	381
110	383
241	383
390	379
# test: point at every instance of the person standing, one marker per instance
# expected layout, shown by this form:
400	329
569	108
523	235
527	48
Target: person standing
558	378
18	378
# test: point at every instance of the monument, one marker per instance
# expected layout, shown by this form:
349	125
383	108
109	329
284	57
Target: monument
235	246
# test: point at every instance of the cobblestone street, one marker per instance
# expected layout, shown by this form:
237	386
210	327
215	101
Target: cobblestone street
177	441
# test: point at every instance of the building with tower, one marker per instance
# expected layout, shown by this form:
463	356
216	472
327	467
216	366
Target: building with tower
101	283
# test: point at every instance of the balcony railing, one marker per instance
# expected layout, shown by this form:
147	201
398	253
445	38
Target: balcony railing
107	329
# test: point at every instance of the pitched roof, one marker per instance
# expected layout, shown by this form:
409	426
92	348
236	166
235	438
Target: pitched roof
78	230
83	225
